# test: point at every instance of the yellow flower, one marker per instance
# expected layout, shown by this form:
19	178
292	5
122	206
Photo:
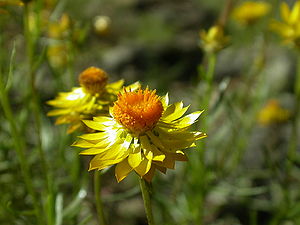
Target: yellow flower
250	12
57	55
59	29
4	3
102	25
11	2
214	39
145	133
93	98
273	113
289	29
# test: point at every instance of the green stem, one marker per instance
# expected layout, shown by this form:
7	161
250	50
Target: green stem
30	49
292	149
147	200
97	190
211	68
31	37
199	165
20	149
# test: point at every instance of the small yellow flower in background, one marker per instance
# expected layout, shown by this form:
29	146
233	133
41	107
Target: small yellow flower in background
91	99
214	39
57	55
250	12
144	134
289	29
102	25
50	4
59	29
11	2
4	3
273	113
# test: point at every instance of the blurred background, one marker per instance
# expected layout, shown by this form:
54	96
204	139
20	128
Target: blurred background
246	172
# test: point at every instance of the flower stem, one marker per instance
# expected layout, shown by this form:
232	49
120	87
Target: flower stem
147	200
97	190
292	149
20	150
31	34
30	49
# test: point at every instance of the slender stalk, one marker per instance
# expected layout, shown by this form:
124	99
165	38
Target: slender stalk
30	49
20	150
292	148
97	191
147	200
31	33
226	12
199	165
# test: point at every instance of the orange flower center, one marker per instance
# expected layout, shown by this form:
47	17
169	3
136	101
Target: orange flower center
138	111
93	80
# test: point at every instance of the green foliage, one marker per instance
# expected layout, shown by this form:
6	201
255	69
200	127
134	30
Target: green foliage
243	173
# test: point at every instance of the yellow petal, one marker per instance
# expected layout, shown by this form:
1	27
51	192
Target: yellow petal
189	119
115	85
174	111
156	140
93	151
144	167
94	125
283	29
295	14
108	158
285	11
127	141
134	159
83	144
133	86
165	101
94	136
122	170
74	127
57	112
183	122
151	152
107	121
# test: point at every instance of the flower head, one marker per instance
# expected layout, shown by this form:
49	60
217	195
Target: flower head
273	113
145	133
214	39
250	12
93	98
102	25
289	29
138	111
93	80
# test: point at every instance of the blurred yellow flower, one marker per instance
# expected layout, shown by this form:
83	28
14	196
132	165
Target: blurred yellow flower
214	39
250	12
289	29
4	3
50	4
11	2
102	25
145	133
57	55
59	29
273	113
91	99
